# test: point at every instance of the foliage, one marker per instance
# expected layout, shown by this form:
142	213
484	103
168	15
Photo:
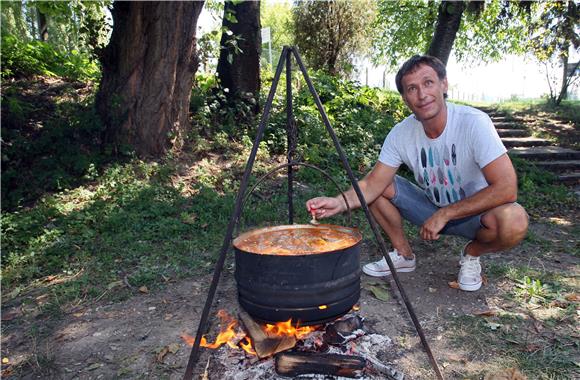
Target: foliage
555	32
488	30
26	59
361	117
72	25
330	34
52	154
278	17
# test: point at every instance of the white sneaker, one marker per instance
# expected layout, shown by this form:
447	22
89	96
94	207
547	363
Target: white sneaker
469	278
381	268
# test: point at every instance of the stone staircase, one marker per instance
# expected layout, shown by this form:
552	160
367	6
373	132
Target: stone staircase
563	162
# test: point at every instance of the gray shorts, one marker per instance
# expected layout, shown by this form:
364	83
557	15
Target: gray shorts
415	207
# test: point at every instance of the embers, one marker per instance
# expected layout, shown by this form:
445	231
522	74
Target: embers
341	348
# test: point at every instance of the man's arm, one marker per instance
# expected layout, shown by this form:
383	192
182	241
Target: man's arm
502	189
372	185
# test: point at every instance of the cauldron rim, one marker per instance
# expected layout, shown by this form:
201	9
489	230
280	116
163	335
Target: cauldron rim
353	231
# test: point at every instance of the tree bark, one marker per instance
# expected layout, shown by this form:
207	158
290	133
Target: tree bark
239	72
148	70
42	26
448	22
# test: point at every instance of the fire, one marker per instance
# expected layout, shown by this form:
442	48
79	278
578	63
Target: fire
232	335
286	328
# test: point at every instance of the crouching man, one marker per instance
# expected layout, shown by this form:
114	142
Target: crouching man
465	185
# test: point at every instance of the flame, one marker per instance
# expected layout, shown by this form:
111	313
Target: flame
286	328
246	345
229	333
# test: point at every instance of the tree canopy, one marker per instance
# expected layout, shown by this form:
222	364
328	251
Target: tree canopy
330	34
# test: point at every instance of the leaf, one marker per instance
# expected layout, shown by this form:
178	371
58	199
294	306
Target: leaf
144	290
162	354
493	325
453	284
380	293
115	284
572	297
173	347
486	313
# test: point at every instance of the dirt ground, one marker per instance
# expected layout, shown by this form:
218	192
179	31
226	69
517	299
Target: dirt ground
140	337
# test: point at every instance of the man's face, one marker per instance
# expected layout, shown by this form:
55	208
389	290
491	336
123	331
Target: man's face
423	92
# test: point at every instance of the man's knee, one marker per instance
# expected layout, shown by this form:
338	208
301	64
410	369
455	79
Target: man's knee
510	223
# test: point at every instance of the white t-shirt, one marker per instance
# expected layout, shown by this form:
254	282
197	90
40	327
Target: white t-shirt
447	168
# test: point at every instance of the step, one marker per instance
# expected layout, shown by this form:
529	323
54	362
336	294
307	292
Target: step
513	132
545	153
559	166
497	119
572	178
524	141
508	125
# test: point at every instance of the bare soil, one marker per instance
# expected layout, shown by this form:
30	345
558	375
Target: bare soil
139	338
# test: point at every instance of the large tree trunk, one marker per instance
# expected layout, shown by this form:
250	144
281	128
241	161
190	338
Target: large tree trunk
148	70
42	26
239	71
448	21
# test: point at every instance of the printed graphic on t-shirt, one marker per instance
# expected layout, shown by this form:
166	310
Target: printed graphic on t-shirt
440	178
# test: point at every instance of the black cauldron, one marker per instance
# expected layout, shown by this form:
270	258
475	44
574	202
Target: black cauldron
309	288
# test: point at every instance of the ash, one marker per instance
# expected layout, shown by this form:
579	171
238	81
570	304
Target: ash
230	364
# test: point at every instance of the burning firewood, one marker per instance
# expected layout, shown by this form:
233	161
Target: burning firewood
265	345
302	363
343	331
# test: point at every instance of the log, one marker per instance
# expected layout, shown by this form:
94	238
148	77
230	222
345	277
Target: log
264	344
302	363
343	331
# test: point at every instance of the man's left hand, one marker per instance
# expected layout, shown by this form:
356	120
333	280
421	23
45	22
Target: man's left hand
432	226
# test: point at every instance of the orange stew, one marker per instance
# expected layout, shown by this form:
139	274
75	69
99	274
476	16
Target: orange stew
297	241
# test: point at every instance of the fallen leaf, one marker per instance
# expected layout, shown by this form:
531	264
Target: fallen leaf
173	347
560	304
486	313
94	366
572	297
168	317
5	361
115	284
453	284
432	290
162	354
484	280
493	325
380	293
204	225
144	290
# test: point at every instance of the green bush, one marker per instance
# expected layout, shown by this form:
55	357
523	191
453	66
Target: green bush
26	59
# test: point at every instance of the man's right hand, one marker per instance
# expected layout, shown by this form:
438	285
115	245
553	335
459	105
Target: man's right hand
324	207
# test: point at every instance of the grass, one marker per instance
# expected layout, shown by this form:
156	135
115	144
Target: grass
95	229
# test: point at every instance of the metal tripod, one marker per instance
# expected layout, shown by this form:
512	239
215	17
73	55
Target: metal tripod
285	58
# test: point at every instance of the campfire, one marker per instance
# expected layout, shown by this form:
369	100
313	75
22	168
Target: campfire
339	348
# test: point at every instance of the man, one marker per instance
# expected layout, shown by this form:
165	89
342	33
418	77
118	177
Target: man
467	183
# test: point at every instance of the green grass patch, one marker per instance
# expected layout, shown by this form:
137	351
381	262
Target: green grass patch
509	340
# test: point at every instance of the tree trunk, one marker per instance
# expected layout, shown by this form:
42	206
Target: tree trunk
448	21
42	26
239	71
148	70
